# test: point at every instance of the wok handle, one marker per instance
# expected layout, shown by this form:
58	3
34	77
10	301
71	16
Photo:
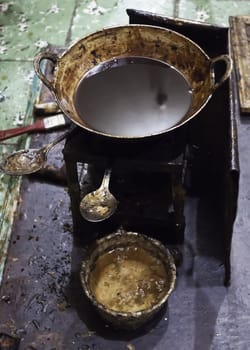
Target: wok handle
227	60
37	66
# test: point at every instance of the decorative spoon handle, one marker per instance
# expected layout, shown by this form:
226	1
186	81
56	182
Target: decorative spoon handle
106	178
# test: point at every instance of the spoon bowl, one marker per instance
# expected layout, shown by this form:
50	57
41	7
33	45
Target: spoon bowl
23	162
28	161
100	204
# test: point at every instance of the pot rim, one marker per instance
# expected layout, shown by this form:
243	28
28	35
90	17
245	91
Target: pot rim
136	314
99	31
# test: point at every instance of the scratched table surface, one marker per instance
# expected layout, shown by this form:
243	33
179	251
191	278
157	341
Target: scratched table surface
26	26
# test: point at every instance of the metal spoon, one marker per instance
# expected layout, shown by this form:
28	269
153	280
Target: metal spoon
29	161
100	204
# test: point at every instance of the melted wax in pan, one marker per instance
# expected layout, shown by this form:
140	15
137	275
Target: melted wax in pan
133	98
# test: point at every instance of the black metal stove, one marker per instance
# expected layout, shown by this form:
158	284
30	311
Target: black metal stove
147	179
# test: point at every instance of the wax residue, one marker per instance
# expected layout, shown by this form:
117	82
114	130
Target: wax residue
128	279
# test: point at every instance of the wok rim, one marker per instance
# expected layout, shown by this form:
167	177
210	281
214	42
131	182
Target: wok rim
139	137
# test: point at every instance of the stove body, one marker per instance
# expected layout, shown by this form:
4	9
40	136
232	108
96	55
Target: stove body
146	179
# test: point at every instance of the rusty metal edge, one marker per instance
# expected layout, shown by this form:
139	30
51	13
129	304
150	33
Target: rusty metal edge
173	20
241	53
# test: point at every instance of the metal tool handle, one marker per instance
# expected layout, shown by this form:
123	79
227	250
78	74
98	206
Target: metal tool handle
8	133
46	108
45	55
61	137
106	178
227	60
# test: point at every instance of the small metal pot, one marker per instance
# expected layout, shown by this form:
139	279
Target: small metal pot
103	51
127	320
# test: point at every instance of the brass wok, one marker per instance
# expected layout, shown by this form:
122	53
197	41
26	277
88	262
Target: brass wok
102	50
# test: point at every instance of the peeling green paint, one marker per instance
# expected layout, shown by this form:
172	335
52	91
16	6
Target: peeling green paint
10	186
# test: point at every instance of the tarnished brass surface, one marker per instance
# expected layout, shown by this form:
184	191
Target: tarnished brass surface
240	41
130	41
128	320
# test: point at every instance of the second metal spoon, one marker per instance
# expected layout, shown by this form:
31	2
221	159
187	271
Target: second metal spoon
100	204
29	161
